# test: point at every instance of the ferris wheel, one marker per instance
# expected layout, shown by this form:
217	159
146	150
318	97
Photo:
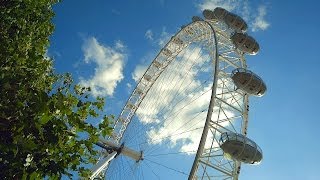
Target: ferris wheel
188	115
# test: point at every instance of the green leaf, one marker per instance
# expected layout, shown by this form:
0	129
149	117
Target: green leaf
44	118
40	105
34	175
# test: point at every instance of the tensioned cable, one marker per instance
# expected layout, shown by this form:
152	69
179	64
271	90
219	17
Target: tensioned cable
143	104
152	170
167	167
191	98
172	115
164	74
142	128
174	68
174	153
178	128
177	94
154	148
170	135
186	106
165	95
150	150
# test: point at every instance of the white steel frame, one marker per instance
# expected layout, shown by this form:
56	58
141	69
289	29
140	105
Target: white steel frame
209	162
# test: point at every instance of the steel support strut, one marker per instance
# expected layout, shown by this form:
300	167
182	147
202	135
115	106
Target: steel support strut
211	105
114	150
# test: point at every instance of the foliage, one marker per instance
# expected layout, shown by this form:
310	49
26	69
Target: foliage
41	113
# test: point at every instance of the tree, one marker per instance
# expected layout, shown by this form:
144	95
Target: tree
42	113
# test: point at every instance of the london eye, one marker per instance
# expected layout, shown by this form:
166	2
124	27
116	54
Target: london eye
187	117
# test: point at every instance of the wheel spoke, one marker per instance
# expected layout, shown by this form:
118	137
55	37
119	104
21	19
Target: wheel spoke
169	110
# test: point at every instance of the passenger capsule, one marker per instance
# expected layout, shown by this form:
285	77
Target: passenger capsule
196	18
130	106
248	82
121	119
217	14
236	22
188	30
208	14
240	148
245	43
138	91
177	41
147	77
157	64
167	52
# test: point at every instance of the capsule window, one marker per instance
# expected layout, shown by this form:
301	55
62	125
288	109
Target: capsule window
147	77
250	143
224	137
247	45
235	153
259	92
177	41
157	64
231	20
238	24
220	13
244	82
130	106
241	40
240	138
254	50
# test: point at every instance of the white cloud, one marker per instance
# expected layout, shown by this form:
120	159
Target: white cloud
147	59
255	19
152	115
109	66
129	88
178	120
226	4
119	46
168	118
259	22
129	85
177	103
245	10
164	37
149	35
138	72
170	86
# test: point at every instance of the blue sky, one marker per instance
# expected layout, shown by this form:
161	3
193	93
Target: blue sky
108	44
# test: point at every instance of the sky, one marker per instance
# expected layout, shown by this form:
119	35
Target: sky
108	45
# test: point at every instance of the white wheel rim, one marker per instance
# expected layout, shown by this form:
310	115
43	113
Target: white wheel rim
230	110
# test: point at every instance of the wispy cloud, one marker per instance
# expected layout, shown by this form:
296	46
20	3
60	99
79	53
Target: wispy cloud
109	66
177	104
260	22
255	18
226	4
129	86
164	37
149	34
115	11
178	101
159	42
174	113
